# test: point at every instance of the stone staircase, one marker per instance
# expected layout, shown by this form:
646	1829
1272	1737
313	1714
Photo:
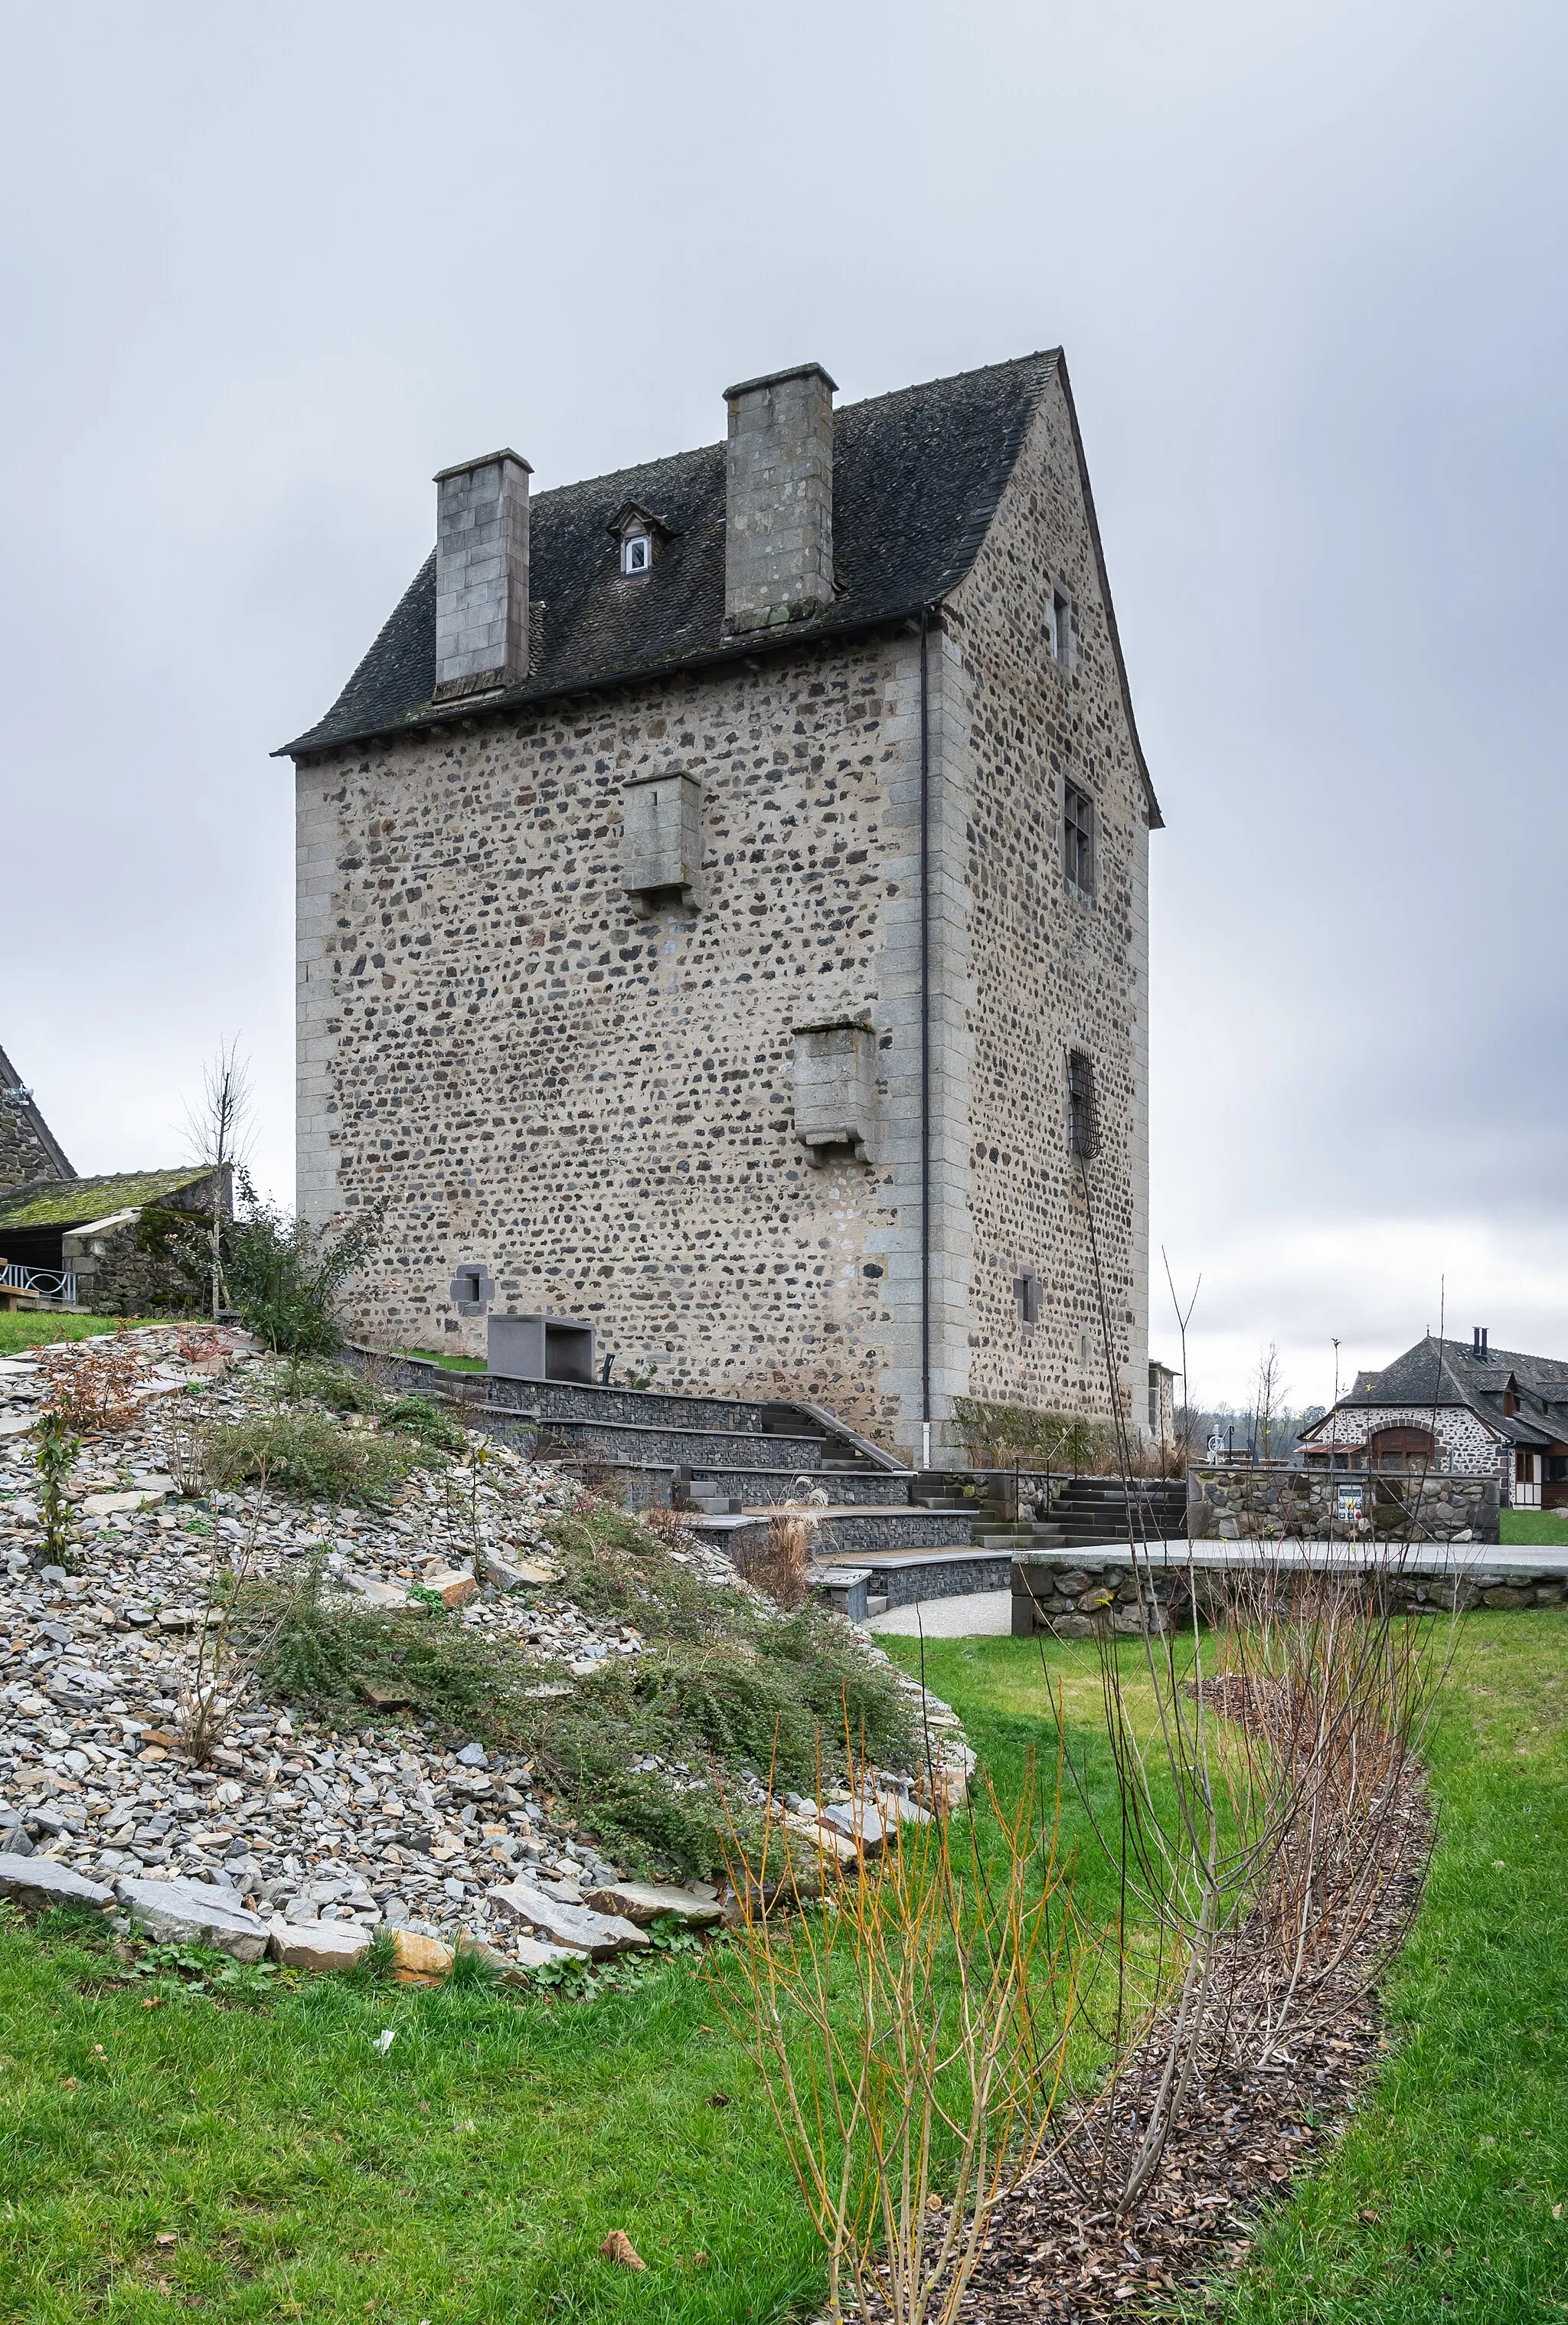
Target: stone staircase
884	1535
1094	1510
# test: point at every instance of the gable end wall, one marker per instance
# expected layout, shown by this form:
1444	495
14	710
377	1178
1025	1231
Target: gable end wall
1053	972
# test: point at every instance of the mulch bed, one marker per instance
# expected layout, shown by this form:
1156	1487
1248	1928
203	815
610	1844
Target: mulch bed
1056	2253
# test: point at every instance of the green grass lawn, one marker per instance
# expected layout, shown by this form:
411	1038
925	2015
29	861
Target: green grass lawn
1534	1525
20	1331
472	2174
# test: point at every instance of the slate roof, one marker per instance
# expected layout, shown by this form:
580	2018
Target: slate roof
916	478
74	1202
1449	1373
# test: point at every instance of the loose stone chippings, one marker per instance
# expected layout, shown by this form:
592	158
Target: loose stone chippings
336	1835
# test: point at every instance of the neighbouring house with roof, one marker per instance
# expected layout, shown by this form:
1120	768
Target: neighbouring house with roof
1445	1406
77	1240
722	916
29	1149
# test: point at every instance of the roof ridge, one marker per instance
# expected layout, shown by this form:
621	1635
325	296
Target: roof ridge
840	412
918	472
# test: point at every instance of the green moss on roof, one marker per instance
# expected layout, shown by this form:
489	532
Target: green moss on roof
72	1202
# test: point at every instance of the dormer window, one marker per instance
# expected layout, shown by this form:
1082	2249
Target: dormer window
637	530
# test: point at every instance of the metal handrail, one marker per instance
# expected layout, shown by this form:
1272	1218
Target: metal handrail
42	1282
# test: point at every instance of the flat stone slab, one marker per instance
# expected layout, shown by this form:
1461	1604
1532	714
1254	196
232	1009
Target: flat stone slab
518	1573
598	1934
317	1945
527	1954
453	1587
194	1913
36	1881
109	1506
645	1901
377	1593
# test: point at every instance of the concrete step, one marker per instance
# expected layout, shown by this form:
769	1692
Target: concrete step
902	1578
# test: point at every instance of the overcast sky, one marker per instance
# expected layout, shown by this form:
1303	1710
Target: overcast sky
265	271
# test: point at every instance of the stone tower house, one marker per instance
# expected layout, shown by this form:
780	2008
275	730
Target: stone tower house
723	915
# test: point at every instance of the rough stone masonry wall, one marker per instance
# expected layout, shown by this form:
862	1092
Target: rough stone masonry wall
1462	1436
116	1277
1095	1596
599	1106
24	1156
1053	970
1277	1504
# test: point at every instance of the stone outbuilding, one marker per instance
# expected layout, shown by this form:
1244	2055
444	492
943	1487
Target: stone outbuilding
722	916
88	1231
77	1240
1442	1405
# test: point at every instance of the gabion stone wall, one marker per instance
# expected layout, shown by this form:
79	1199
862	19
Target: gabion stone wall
1275	1503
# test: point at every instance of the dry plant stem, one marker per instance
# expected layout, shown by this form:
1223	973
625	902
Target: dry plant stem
215	1126
1343	1691
1318	1778
187	1449
463	1484
1192	1867
915	2024
221	1663
792	1530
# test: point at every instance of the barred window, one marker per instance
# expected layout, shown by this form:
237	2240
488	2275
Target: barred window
1078	837
1083	1117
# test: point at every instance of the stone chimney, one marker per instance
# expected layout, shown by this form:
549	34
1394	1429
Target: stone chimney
779	497
482	575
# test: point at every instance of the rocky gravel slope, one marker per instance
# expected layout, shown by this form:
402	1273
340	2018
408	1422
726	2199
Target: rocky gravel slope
318	1836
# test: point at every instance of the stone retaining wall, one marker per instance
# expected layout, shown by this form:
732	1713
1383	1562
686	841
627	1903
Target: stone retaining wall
1089	1598
1273	1503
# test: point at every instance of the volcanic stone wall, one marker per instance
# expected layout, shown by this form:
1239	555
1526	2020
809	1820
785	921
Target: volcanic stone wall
23	1154
1054	969
597	1105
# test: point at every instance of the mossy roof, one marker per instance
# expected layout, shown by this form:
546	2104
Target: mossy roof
72	1202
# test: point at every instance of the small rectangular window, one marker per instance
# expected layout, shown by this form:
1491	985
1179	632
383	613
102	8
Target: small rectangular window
1083	1116
1078	837
636	553
1026	1291
1060	626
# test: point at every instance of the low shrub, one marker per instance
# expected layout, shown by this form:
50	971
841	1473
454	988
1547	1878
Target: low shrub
422	1418
91	1391
643	1752
310	1455
309	1381
1016	1436
282	1275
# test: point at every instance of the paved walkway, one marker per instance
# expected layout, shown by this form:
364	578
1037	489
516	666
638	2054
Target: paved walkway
1470	1559
976	1615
